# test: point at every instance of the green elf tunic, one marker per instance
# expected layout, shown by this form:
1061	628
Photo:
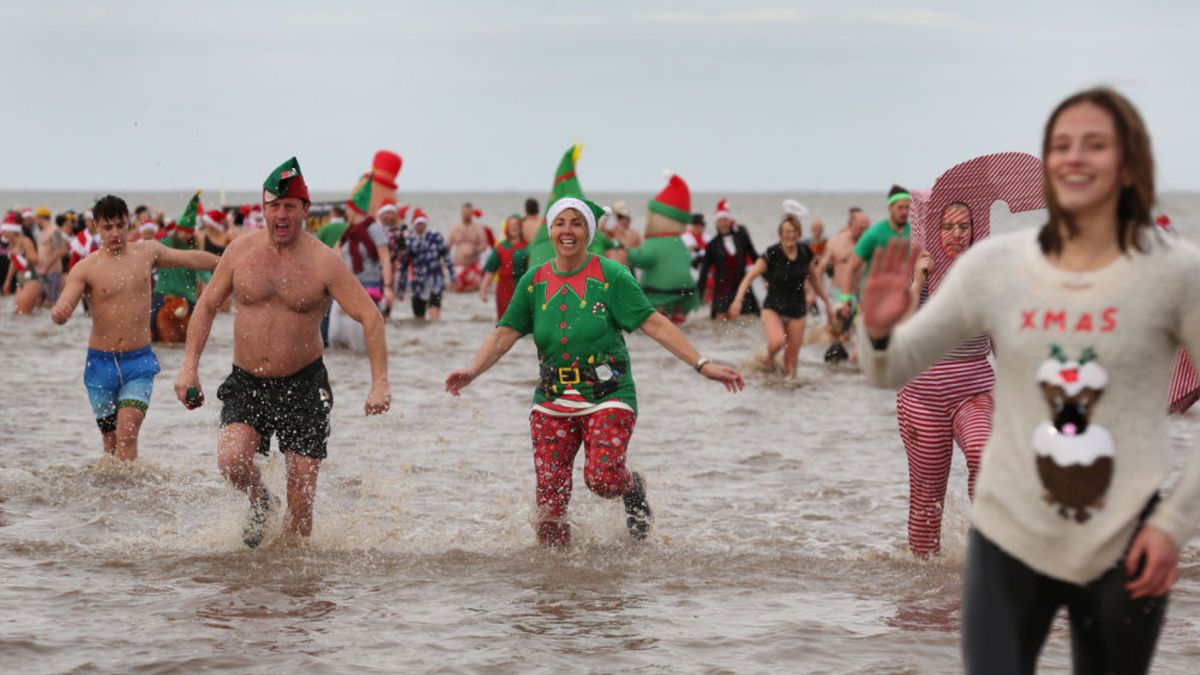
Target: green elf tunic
576	319
666	277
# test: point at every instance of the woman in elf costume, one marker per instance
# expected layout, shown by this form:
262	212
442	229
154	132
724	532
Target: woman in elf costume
507	263
586	392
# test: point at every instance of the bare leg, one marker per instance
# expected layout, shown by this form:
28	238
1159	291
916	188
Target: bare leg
129	423
110	442
795	340
235	457
301	489
776	337
435	313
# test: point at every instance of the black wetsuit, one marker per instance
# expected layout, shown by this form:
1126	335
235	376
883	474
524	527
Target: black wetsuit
785	281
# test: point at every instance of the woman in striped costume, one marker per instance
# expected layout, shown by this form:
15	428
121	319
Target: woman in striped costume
577	305
951	402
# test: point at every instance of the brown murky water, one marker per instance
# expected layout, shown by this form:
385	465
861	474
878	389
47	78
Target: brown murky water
778	544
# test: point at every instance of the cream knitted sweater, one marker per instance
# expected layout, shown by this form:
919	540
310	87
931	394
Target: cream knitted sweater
1083	366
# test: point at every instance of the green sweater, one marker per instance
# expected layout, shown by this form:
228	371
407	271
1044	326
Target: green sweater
577	321
666	266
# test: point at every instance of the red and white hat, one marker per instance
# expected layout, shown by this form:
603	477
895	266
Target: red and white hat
419	217
723	210
674	201
11	223
386	206
215	218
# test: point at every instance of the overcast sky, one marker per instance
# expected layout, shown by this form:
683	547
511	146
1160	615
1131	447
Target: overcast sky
486	95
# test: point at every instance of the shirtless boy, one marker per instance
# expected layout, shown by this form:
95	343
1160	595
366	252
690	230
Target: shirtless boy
282	279
120	369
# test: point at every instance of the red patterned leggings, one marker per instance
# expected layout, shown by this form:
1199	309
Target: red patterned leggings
605	436
934	413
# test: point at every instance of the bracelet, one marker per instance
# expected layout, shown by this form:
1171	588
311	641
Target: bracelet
700	364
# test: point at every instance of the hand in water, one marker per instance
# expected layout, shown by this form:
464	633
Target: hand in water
726	375
458	380
887	293
379	399
1155	551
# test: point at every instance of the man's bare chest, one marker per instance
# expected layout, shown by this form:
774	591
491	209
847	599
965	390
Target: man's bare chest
296	286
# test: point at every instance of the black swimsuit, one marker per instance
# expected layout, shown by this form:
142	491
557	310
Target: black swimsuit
785	281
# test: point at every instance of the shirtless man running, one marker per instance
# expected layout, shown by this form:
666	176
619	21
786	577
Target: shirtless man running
839	254
282	279
120	369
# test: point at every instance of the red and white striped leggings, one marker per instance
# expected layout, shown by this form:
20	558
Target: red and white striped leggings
949	403
605	437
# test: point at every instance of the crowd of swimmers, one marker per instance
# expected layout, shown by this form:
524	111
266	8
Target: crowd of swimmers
1044	354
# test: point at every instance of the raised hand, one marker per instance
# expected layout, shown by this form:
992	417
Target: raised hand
888	293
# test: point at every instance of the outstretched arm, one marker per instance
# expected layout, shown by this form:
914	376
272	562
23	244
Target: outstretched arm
192	260
668	335
71	292
495	345
354	300
200	325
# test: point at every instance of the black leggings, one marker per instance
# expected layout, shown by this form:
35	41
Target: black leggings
1008	607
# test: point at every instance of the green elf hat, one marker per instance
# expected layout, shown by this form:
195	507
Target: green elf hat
566	183
591	211
188	220
360	201
285	181
675	200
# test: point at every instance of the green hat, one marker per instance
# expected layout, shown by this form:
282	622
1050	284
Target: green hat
188	220
285	181
565	181
360	201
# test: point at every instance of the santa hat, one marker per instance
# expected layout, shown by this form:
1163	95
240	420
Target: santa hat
11	223
214	218
478	214
402	211
723	210
148	226
286	181
27	213
675	200
590	211
188	220
419	217
360	201
386	206
1163	221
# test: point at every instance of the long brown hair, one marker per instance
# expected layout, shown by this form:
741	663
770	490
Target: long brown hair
1137	162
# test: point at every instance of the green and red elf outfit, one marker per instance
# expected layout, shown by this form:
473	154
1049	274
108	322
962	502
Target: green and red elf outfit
541	250
663	259
586	392
508	262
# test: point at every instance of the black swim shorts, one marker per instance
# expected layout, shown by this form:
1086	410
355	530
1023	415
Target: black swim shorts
295	407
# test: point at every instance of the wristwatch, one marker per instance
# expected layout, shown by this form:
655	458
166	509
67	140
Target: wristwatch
700	364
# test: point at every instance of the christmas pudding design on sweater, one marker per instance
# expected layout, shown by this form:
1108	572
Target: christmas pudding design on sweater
1074	456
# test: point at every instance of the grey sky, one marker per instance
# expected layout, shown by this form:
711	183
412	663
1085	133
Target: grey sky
487	95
